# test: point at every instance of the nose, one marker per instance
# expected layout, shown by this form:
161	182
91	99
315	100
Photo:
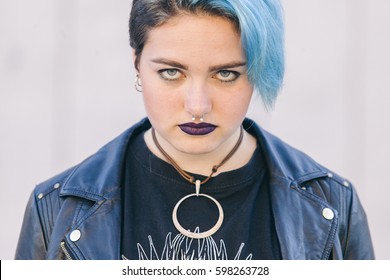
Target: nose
197	99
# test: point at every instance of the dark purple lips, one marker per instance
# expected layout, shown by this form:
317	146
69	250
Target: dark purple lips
197	128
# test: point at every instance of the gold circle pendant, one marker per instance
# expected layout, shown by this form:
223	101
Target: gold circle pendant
199	235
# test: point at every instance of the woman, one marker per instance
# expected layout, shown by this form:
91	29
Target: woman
196	179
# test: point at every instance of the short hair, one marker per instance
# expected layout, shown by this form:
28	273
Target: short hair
259	22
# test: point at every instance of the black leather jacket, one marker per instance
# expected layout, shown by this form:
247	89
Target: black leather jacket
77	214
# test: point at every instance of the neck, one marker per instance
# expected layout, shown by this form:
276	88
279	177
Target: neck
203	163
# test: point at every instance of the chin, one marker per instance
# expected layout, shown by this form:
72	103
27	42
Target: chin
195	146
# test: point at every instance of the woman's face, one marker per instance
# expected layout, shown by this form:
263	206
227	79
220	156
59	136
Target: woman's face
195	66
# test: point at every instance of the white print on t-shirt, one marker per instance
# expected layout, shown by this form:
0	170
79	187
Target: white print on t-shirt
185	248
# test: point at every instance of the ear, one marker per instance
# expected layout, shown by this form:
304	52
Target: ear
133	55
135	60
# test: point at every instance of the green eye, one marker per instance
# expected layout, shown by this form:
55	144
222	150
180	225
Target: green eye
227	76
224	73
170	74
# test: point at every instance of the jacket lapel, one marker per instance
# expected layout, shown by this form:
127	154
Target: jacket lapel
100	231
303	232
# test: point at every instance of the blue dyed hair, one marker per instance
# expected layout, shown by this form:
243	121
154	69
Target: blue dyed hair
259	22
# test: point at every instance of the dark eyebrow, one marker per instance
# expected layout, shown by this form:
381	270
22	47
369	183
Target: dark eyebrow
185	67
226	66
170	63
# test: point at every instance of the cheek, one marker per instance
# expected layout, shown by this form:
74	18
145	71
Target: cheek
236	103
158	102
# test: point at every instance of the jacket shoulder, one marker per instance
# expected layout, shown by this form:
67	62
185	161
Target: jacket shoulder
39	218
53	184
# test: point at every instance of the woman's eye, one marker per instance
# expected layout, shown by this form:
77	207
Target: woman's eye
227	76
170	74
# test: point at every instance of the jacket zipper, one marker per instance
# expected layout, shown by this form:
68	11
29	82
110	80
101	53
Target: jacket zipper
66	251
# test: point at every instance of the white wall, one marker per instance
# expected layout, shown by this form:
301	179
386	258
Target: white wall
66	88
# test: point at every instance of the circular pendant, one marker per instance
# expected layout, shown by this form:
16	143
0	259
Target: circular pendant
200	234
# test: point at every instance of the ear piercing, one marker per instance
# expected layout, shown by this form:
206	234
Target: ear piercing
137	84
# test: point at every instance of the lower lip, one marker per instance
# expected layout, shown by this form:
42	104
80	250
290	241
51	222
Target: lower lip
196	131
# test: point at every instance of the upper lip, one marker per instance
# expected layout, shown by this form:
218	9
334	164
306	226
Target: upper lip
198	125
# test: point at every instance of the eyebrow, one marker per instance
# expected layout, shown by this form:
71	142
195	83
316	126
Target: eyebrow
170	63
211	69
227	66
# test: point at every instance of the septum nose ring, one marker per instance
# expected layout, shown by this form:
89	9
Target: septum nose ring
201	119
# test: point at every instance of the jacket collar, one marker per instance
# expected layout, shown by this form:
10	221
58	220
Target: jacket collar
283	160
300	237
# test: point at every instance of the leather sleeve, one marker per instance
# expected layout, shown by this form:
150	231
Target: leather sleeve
31	244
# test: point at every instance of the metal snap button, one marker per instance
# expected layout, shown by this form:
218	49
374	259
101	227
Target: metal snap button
328	213
75	235
40	196
57	185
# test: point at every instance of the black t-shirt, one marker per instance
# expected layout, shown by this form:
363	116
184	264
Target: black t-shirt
151	189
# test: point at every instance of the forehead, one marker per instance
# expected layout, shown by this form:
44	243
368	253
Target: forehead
189	37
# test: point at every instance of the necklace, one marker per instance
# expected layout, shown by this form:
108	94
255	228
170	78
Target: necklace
197	183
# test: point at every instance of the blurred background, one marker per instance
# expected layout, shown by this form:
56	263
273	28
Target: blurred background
67	88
